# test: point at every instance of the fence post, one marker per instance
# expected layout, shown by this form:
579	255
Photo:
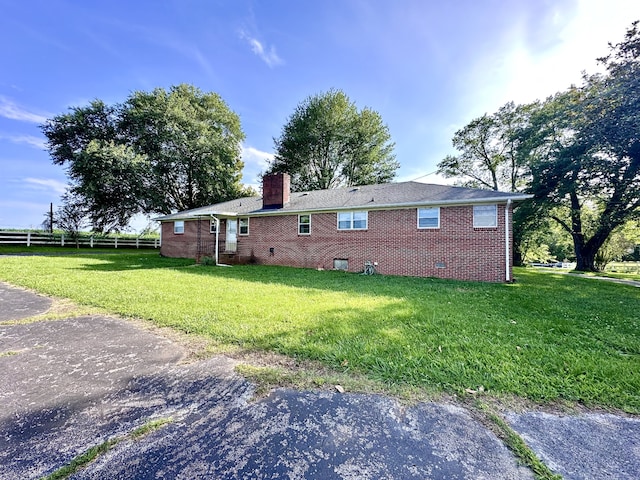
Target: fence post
62	240
28	239
137	242
116	242
91	241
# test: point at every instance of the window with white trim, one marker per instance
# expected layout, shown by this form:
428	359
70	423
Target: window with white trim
429	217
485	216
304	224
178	227
212	226
353	220
243	226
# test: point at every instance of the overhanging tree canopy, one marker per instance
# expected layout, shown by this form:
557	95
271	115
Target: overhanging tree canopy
590	161
157	152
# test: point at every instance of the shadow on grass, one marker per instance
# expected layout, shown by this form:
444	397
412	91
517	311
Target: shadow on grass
127	261
531	289
267	274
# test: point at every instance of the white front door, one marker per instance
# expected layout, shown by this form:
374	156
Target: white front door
232	235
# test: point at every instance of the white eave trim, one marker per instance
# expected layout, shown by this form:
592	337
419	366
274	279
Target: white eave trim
194	215
391	206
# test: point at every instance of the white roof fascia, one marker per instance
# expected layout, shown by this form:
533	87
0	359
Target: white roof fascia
391	206
193	216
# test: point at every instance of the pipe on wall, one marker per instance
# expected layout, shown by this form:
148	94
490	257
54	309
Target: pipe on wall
507	241
217	234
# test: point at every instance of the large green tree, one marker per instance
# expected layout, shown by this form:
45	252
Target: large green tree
490	154
157	152
588	160
192	142
102	169
327	143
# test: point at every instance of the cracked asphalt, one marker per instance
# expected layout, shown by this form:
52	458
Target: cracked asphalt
68	385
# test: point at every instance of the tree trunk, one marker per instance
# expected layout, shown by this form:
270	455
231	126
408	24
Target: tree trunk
585	261
586	252
518	261
585	258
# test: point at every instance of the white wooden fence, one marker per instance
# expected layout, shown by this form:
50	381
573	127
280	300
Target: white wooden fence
61	240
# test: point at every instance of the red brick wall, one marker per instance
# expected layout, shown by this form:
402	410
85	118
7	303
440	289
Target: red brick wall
455	250
186	245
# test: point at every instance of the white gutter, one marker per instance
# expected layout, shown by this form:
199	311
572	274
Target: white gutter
191	215
217	234
389	206
506	240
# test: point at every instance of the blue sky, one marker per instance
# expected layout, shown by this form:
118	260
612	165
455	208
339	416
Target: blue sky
428	67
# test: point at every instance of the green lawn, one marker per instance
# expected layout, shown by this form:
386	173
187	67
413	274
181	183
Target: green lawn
547	337
67	250
627	270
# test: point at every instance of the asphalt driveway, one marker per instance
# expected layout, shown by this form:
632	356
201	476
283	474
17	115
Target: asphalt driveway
68	385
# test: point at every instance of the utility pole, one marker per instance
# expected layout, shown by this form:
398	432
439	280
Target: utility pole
51	218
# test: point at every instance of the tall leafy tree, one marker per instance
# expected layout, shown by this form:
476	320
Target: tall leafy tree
328	143
490	150
157	152
191	141
101	167
71	216
589	160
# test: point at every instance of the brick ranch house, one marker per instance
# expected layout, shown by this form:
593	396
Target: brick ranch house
407	228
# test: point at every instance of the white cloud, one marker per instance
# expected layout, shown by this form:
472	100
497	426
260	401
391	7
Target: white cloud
257	157
255	162
36	142
11	110
268	56
49	184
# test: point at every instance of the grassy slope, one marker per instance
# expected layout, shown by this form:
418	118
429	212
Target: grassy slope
547	337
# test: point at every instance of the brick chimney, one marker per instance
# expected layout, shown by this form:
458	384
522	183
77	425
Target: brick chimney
276	190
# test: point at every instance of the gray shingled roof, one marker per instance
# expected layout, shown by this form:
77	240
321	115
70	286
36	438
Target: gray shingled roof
370	197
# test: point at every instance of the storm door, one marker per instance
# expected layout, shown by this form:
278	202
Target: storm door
232	235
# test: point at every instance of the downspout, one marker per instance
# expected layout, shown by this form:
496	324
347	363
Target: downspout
217	233
507	260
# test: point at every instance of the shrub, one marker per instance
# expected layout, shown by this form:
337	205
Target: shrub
208	261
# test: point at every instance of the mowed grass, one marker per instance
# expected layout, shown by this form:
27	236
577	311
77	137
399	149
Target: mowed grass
625	270
547	337
70	249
